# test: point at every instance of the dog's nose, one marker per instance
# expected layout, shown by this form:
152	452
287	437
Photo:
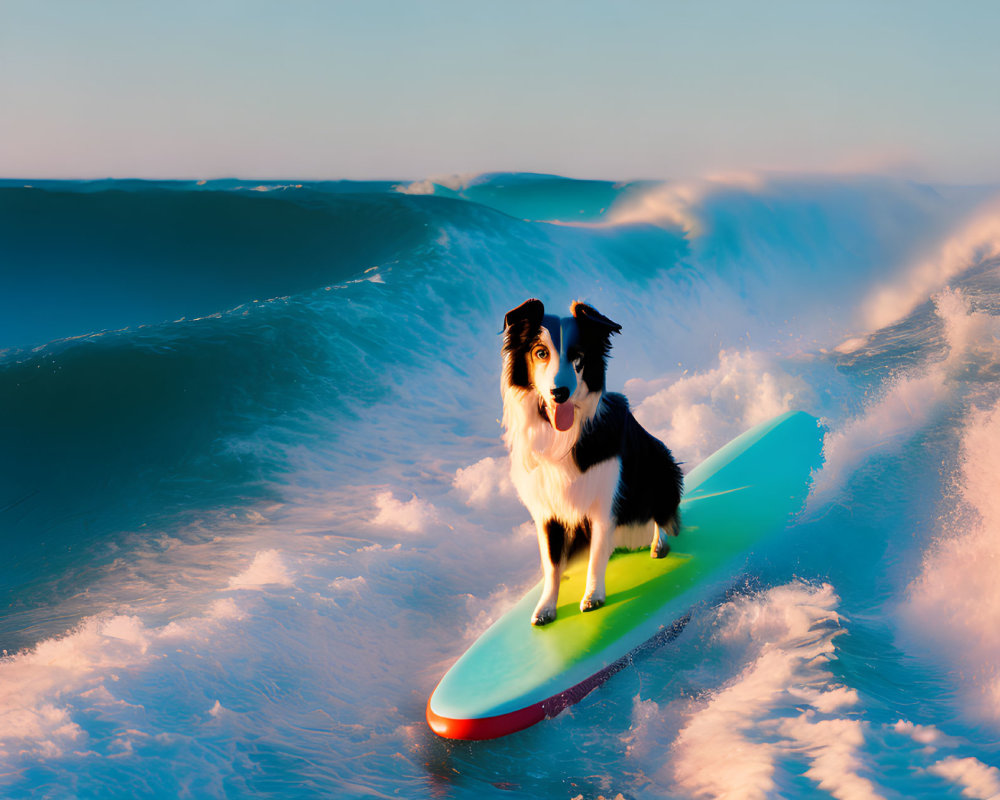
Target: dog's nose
560	394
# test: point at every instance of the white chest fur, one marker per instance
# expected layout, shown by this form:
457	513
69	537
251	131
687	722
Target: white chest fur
543	470
557	489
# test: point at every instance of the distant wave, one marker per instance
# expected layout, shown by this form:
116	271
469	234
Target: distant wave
975	240
84	261
530	196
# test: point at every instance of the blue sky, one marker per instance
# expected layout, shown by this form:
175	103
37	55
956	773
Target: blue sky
380	89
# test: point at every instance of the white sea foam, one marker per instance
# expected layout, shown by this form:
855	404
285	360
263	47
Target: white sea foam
484	482
37	686
749	738
977	240
697	414
908	402
676	204
957	587
272	187
834	748
425	186
349	586
973	336
851	345
903	408
978	780
484	611
414	515
456	182
50	694
797	624
784	702
267	569
928	735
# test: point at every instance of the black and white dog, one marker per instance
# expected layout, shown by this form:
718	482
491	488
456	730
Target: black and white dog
586	470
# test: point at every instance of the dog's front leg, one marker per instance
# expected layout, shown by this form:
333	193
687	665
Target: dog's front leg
601	542
551	544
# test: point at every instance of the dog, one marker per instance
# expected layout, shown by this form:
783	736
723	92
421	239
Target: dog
583	466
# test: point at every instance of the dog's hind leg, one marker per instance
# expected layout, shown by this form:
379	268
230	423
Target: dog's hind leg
551	547
661	545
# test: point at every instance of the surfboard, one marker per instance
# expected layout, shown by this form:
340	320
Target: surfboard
517	674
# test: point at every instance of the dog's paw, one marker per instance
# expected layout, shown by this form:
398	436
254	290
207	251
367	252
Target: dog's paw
660	549
543	616
591	602
661	544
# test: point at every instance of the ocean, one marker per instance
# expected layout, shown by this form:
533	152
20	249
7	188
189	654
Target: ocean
254	499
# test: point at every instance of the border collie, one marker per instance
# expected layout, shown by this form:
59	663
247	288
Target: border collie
583	466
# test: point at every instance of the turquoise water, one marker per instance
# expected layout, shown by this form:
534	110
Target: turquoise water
253	499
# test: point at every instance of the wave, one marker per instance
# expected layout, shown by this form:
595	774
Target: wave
77	262
957	586
790	633
99	256
208	185
530	196
699	413
277	523
977	241
961	354
205	413
810	251
791	719
110	435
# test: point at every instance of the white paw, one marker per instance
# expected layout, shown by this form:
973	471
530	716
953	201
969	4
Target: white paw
543	615
660	548
591	601
661	544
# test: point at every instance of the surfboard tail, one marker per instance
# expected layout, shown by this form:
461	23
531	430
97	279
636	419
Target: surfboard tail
482	728
514	721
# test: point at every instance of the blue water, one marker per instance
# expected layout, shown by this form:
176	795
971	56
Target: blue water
253	499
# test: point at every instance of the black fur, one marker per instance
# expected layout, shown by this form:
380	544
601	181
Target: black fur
595	343
650	483
563	543
521	328
555	534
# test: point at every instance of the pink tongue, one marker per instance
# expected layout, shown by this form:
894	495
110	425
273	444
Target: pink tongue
564	416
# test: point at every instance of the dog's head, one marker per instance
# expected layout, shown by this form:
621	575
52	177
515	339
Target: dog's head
562	359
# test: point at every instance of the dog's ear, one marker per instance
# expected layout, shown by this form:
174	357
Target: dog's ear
519	325
531	310
585	314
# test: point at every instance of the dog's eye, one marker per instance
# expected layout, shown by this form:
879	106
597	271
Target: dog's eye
541	353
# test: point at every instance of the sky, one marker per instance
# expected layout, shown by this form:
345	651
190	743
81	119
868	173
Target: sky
393	89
